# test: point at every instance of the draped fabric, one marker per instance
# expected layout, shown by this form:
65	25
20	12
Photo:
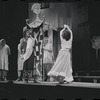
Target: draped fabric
38	35
21	50
63	64
4	62
57	14
28	59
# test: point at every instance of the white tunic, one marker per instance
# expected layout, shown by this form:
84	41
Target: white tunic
4	57
48	55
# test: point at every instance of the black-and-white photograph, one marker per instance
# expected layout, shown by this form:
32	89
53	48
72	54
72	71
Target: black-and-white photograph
50	50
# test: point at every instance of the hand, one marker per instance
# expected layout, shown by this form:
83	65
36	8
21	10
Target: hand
22	57
27	21
66	26
43	47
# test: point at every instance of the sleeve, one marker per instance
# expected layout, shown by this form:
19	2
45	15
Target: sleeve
70	33
19	48
29	49
8	49
61	33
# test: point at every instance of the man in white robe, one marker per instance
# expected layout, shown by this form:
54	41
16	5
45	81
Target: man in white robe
47	58
4	53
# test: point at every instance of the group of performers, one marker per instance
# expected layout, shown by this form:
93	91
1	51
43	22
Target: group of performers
60	70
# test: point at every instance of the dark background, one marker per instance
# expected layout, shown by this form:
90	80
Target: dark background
12	20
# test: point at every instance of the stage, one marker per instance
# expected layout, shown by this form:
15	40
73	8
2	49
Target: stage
49	91
71	84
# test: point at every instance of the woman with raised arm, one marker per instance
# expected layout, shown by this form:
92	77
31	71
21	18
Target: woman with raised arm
62	69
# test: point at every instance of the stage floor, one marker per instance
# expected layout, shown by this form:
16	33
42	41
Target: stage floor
49	90
71	84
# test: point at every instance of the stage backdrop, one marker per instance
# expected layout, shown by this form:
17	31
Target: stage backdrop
82	17
74	14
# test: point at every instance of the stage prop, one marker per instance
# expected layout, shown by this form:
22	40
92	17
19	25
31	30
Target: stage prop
96	44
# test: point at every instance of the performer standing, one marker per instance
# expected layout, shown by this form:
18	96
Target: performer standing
28	57
4	61
62	69
47	58
21	50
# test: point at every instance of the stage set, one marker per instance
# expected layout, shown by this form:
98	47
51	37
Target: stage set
83	18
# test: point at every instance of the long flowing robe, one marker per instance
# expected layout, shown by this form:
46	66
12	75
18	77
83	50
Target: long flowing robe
63	64
48	55
47	60
21	51
4	52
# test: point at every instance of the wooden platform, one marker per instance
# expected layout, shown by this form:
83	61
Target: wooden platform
93	79
49	91
87	76
71	84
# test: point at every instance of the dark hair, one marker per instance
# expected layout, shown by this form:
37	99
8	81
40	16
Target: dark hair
46	33
66	35
3	41
24	33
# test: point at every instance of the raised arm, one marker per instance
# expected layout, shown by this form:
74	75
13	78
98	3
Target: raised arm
8	50
68	28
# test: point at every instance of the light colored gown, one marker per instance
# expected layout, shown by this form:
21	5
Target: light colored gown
63	64
48	55
47	60
21	51
4	52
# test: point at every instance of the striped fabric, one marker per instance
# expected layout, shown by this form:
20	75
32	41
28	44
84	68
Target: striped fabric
38	45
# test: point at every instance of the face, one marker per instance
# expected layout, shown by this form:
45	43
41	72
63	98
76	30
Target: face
36	9
45	41
27	33
3	43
